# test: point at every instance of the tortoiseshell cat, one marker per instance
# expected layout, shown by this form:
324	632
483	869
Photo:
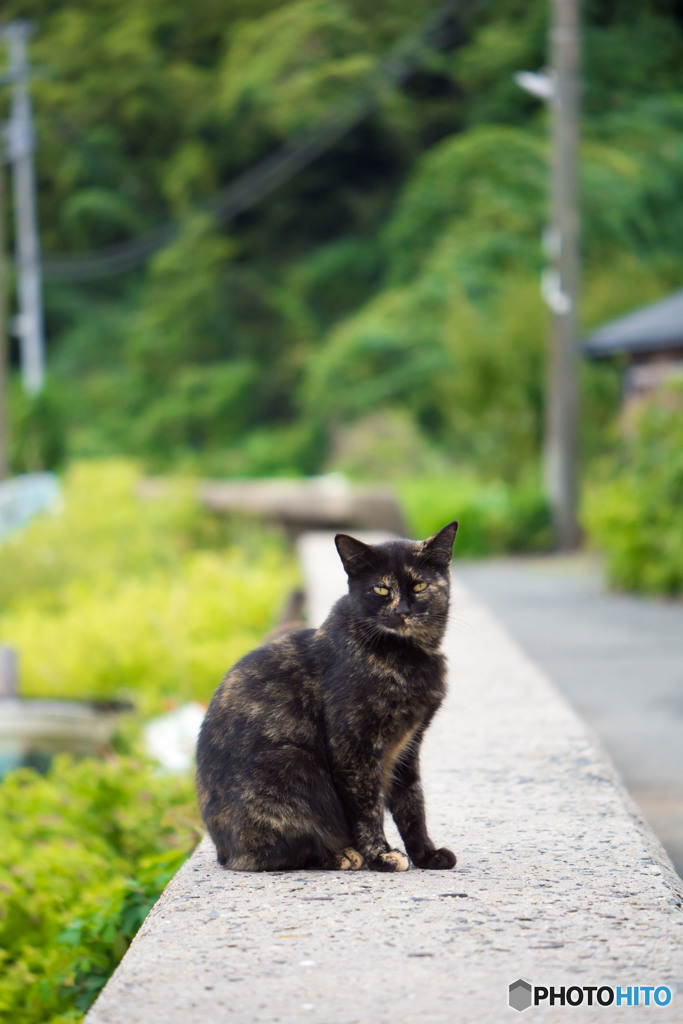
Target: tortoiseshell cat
308	738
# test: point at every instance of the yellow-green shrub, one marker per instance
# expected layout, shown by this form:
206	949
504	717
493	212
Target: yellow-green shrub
100	534
170	634
111	597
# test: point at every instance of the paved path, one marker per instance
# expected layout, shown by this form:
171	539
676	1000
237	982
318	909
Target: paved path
617	658
559	882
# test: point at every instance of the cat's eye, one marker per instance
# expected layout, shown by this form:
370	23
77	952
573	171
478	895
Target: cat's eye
419	587
381	590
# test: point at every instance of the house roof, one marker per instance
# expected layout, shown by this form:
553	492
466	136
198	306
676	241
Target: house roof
653	328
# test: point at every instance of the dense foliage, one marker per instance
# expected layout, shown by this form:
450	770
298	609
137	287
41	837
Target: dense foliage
633	508
135	600
396	272
377	313
86	851
493	517
112	597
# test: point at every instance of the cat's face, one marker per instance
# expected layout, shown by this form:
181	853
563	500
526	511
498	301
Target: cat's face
401	587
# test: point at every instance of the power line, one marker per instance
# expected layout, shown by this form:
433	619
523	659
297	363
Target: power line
271	172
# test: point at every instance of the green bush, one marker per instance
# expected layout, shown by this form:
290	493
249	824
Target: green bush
38	430
385	445
399	270
99	535
112	596
169	636
494	517
633	511
147	600
86	851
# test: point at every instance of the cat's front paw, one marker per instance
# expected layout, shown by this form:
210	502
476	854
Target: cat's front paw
392	860
350	860
435	860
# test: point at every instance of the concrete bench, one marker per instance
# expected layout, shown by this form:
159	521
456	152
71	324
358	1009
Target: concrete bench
559	882
328	502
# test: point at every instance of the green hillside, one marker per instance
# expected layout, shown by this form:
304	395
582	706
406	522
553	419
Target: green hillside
395	275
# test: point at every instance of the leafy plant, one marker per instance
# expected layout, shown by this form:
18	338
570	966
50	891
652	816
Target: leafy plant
38	430
632	510
150	600
399	266
86	851
109	596
494	517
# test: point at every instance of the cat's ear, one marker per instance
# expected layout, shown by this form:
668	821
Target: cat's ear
440	546
355	555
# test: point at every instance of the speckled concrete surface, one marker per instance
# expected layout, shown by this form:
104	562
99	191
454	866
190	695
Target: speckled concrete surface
618	658
559	882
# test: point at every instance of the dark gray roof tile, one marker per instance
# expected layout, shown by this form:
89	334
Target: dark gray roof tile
650	329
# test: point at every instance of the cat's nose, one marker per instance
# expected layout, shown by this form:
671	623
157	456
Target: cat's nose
403	608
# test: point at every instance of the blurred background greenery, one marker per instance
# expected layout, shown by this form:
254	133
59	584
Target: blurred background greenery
113	598
411	247
380	308
378	314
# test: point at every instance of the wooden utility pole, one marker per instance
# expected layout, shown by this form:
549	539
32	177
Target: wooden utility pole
562	393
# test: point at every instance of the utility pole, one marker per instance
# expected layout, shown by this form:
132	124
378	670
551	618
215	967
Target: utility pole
4	347
562	392
559	87
20	144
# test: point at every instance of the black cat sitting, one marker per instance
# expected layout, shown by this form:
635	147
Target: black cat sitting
308	739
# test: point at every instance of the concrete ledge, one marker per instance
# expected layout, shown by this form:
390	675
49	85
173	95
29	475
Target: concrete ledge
328	502
559	882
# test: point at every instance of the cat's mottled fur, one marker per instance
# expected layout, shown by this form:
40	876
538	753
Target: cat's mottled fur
309	738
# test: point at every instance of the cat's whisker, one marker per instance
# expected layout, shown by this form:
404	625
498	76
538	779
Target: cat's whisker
461	625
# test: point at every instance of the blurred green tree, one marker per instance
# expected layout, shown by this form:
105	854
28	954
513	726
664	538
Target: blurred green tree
339	293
